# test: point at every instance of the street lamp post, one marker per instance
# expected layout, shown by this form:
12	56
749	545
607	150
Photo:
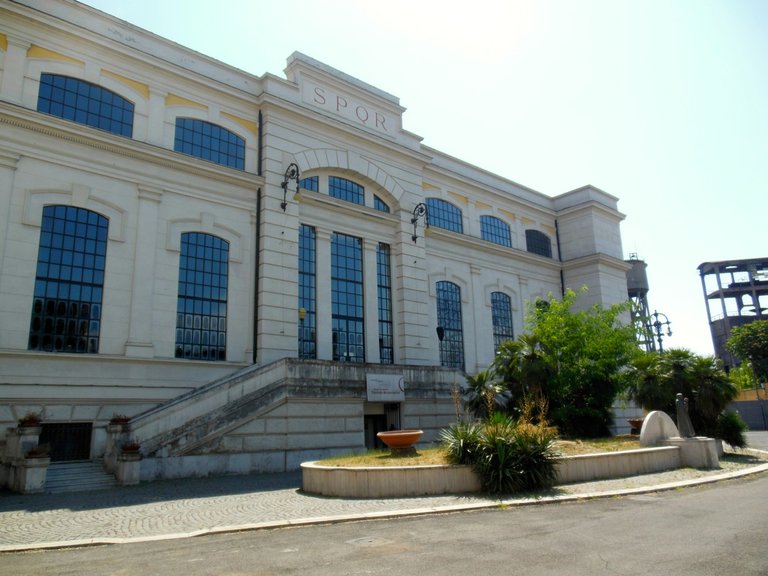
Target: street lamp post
658	327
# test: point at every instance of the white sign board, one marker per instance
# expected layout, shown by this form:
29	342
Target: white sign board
385	387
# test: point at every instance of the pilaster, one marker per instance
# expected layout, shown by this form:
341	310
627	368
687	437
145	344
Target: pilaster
139	344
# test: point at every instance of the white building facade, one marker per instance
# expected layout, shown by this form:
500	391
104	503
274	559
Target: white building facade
170	226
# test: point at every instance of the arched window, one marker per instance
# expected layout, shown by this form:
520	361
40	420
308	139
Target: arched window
346	190
307	291
501	311
85	103
442	214
379	204
495	230
66	307
538	243
209	142
201	312
347	298
310	183
449	325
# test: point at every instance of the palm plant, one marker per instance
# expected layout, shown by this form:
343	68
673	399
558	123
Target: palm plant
485	395
711	393
522	367
654	379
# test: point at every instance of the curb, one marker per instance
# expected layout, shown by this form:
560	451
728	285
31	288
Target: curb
384	515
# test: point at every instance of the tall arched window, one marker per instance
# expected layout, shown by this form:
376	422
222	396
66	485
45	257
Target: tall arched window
449	325
209	142
495	230
201	311
501	311
66	307
347	298
85	103
538	243
442	214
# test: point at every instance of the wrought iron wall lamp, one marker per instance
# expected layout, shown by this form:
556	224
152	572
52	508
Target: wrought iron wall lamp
291	173
420	211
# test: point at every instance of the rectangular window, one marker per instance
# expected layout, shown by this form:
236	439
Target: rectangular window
347	298
384	287
201	310
501	312
307	292
449	325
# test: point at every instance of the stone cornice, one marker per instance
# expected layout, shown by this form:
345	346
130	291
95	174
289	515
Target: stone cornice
463	241
600	259
93	138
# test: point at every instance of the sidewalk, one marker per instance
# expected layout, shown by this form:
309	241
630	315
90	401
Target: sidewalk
193	507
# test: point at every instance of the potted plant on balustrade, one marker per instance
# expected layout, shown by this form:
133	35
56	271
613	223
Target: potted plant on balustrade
30	423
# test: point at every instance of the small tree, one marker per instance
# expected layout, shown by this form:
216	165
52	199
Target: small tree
750	344
573	359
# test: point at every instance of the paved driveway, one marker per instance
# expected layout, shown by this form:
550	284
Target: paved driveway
758	439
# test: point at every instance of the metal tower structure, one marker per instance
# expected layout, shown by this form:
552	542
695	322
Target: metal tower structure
637	288
736	293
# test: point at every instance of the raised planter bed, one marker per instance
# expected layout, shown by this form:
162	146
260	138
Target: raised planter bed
387	481
402	481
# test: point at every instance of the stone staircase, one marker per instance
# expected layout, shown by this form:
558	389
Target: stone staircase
77	477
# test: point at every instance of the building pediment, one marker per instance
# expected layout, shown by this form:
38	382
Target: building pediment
340	95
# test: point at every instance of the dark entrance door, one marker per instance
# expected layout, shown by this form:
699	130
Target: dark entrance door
374	423
70	441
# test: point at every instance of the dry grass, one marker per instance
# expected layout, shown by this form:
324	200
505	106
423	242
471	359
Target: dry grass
437	455
613	444
384	458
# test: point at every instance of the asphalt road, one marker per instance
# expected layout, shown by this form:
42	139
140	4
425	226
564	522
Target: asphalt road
713	530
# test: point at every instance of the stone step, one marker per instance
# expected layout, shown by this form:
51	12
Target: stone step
77	477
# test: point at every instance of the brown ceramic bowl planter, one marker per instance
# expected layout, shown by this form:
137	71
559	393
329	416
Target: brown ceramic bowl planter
401	442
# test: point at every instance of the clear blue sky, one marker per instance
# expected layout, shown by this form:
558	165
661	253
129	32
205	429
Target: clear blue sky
662	103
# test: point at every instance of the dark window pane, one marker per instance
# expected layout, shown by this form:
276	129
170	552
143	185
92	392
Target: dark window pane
538	243
501	311
450	322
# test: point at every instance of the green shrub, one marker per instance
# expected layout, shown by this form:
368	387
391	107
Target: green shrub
461	442
731	428
508	455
